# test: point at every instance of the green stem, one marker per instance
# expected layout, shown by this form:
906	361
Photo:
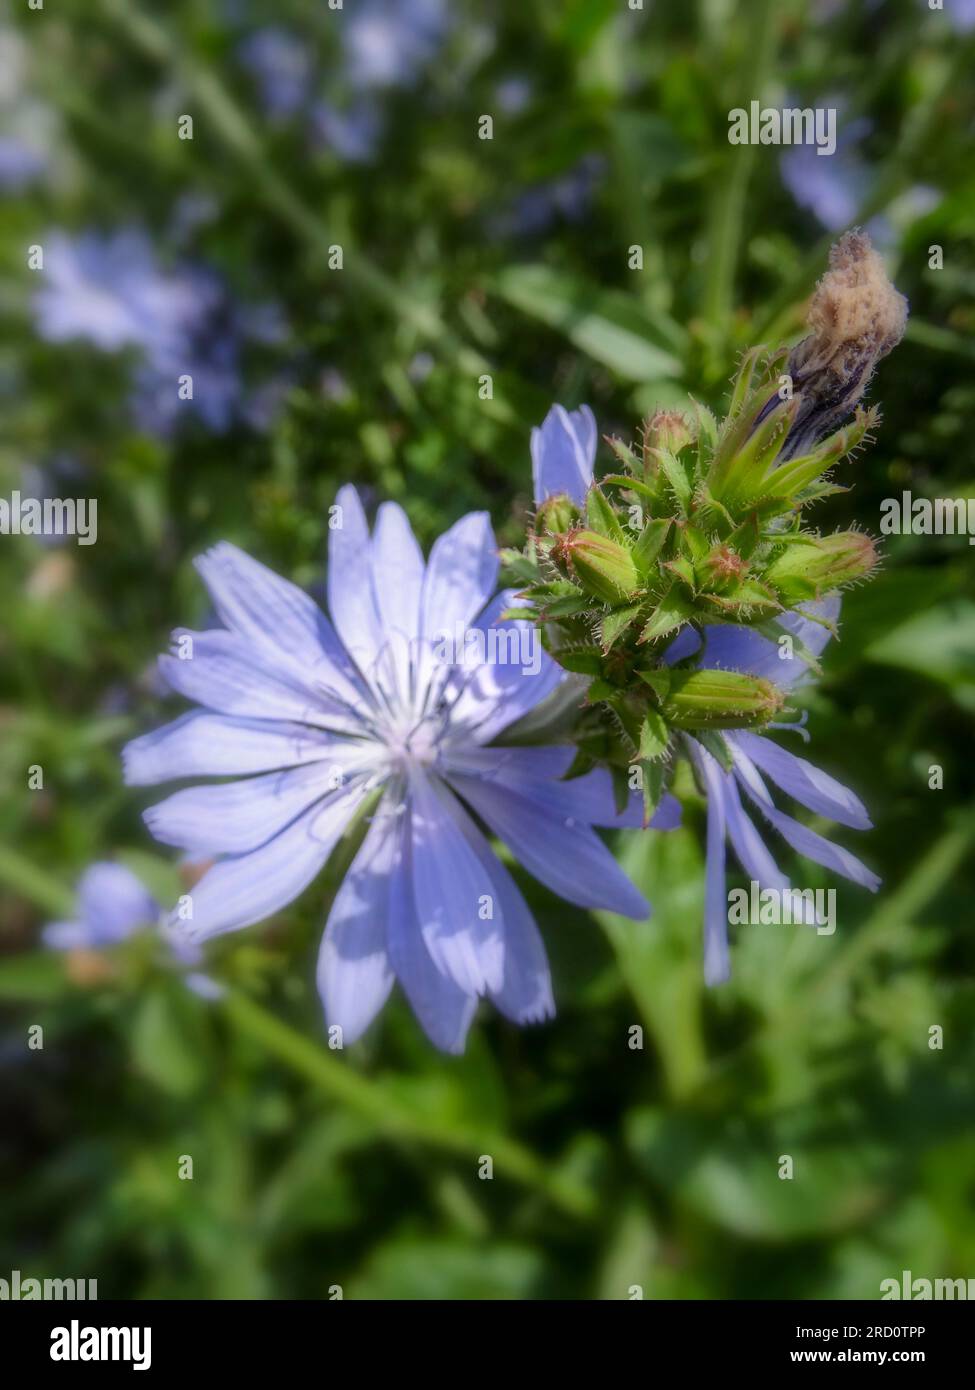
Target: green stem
32	883
335	1078
726	221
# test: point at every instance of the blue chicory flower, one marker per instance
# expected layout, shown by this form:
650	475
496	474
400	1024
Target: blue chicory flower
836	186
114	904
21	163
353	131
30	128
402	695
112	291
567	197
386	43
281	67
960	14
563	453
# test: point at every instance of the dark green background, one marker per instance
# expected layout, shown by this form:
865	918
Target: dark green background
613	1167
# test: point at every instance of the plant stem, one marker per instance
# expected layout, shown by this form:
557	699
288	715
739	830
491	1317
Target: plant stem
34	884
726	222
391	1117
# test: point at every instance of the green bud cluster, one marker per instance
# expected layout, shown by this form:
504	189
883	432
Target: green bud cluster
702	523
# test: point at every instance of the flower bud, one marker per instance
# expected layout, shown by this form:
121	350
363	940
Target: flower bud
723	567
556	514
603	567
816	565
667	429
707	699
856	317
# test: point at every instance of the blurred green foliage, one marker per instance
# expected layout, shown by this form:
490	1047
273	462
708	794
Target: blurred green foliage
613	1166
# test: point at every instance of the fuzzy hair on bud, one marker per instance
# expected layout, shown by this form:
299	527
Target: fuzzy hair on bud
818	565
856	317
667	429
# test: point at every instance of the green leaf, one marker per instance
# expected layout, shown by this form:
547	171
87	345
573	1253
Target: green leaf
729	1174
650	544
409	1267
939	644
625	455
684	570
165	1042
635	485
600	689
585	661
616	623
676	475
601	517
567	606
653	787
658	681
660	958
521	566
654	736
32	977
609	326
716	746
37	886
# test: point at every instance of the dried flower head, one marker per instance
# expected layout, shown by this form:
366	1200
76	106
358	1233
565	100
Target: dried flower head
856	317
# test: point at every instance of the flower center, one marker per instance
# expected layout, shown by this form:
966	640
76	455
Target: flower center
415	747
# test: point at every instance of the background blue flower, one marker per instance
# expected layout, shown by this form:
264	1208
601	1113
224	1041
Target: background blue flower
112	292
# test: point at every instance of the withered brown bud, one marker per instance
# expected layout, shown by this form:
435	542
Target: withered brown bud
856	317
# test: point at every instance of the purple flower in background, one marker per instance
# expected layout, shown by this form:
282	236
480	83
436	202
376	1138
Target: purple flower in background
398	703
567	197
733	648
352	131
959	13
280	65
113	904
386	43
833	187
112	291
513	95
21	163
29	142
